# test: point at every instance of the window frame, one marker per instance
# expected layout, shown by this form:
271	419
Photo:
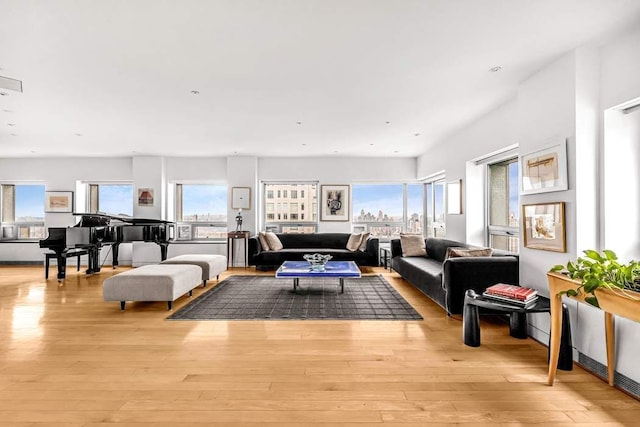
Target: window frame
89	198
509	232
289	225
15	225
193	226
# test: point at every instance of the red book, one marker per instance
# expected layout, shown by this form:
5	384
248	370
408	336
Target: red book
512	291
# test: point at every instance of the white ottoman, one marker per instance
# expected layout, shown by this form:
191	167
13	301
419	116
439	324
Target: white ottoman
157	282
212	265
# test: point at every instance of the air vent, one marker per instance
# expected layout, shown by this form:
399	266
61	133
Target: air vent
11	84
622	381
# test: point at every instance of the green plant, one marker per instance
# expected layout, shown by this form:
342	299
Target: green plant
601	270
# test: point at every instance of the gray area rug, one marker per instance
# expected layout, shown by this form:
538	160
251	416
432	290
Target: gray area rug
268	298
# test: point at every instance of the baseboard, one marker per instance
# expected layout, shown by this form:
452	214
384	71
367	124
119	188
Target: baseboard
21	263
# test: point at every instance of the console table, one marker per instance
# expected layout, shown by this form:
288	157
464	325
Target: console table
232	236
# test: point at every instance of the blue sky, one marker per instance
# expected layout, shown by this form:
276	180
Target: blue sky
116	199
373	198
29	201
204	199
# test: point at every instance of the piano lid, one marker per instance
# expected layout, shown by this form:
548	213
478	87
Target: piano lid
101	219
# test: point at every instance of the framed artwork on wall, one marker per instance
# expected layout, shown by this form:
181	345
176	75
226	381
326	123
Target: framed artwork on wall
454	197
58	201
145	196
241	198
544	226
545	170
334	203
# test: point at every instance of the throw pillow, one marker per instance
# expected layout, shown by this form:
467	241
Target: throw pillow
363	242
465	252
354	242
262	237
412	245
274	242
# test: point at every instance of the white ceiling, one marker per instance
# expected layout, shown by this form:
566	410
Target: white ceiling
114	78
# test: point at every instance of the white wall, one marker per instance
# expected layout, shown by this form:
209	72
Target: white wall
58	174
619	69
495	131
330	170
567	99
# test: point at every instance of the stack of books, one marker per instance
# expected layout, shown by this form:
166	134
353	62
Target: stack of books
512	294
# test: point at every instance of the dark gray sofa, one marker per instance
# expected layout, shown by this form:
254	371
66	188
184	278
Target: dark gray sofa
296	245
445	282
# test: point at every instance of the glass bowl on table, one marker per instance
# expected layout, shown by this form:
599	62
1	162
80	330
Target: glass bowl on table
317	261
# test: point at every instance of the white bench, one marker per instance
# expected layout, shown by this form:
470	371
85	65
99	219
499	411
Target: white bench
159	282
212	265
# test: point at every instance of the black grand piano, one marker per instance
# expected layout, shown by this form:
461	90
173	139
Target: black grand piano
96	230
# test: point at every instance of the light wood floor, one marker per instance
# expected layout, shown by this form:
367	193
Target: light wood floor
67	358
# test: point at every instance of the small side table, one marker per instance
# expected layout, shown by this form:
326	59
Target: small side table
385	257
517	322
232	236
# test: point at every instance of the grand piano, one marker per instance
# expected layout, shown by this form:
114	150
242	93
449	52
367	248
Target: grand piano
96	230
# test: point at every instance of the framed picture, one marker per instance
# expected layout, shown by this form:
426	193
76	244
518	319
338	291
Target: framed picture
544	226
454	197
145	196
334	203
58	201
241	198
545	170
184	232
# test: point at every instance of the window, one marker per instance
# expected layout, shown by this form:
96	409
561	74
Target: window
204	208
112	199
503	201
378	209
294	210
22	214
415	209
435	192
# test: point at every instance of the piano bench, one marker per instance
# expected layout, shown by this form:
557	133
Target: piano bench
69	254
212	265
156	282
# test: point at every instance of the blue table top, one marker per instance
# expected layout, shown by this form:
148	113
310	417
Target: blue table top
332	269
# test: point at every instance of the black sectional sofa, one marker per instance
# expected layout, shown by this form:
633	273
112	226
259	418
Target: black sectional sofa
445	281
296	245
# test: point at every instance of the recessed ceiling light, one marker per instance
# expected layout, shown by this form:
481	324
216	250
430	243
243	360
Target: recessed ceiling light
11	124
4	94
395	151
77	134
495	69
371	144
13	134
8	111
195	92
33	151
304	145
416	134
335	151
299	123
388	122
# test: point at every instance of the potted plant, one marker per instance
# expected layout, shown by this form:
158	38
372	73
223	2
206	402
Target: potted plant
600	279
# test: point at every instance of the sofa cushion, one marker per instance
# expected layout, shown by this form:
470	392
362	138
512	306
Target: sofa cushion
412	245
456	252
262	237
364	241
437	247
354	242
274	242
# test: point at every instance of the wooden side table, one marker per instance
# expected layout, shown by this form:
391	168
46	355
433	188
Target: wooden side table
232	236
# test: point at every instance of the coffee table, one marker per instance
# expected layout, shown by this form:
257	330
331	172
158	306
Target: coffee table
302	269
